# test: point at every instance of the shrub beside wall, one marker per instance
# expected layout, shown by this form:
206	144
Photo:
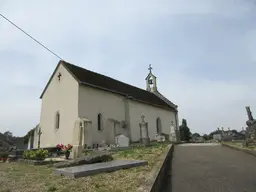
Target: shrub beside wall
3	156
39	154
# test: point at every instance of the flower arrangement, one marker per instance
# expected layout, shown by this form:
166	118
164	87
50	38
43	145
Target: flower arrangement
64	148
59	148
3	156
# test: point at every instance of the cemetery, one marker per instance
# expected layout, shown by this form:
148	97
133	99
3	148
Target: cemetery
58	173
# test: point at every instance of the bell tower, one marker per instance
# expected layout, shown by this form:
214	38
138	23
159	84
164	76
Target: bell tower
151	81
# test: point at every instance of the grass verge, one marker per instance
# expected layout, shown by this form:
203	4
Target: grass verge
17	177
240	145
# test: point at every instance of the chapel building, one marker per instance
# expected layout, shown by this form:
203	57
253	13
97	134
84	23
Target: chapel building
107	107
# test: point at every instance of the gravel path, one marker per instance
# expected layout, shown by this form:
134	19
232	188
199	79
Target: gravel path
211	168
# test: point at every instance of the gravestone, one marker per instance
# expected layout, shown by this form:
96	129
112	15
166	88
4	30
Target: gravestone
172	136
144	138
39	137
77	140
122	141
31	142
251	129
160	138
97	168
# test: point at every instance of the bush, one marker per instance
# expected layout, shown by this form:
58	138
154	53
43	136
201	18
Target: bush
3	154
39	154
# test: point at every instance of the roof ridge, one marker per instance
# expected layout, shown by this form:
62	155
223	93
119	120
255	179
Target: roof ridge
108	77
97	80
161	96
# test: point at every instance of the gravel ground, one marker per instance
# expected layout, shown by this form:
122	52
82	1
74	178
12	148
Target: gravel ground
211	168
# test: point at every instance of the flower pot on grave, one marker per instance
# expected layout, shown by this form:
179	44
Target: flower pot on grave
4	159
58	151
67	154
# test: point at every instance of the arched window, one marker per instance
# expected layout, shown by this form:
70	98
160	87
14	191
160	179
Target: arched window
158	126
99	121
57	120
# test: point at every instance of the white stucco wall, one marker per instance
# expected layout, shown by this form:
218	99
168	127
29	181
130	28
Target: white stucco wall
94	101
60	96
73	100
151	113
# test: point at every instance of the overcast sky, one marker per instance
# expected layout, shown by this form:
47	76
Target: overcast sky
203	53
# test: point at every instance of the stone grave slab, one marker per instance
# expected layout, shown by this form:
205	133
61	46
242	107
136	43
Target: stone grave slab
93	169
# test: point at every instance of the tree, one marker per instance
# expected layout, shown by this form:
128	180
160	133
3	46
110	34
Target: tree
196	135
28	135
206	137
184	131
8	133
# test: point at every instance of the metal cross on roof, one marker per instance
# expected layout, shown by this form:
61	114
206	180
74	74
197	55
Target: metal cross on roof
150	68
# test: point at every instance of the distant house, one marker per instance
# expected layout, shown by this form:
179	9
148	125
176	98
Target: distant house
217	137
243	132
197	138
228	135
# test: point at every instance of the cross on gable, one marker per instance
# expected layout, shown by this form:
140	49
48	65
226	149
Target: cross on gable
59	76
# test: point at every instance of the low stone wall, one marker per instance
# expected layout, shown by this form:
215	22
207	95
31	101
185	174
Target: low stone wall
158	176
34	162
248	151
97	157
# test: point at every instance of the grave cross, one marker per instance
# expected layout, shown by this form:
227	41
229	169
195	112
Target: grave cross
143	118
39	137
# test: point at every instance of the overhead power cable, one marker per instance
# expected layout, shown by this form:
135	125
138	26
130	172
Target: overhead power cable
30	36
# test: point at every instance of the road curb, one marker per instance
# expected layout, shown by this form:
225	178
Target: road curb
159	174
253	153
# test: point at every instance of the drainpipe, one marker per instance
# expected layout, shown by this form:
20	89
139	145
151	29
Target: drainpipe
127	115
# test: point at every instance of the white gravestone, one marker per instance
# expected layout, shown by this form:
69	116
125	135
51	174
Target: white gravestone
29	142
160	138
122	141
144	138
172	136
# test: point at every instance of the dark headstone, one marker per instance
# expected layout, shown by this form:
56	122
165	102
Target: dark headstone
251	129
12	158
88	159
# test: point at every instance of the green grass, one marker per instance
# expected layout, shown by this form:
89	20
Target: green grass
240	145
17	177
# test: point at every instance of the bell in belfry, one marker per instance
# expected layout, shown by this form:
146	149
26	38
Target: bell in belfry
150	81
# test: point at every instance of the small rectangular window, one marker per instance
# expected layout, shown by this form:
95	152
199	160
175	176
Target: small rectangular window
57	120
99	121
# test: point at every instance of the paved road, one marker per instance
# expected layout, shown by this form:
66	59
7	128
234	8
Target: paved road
211	168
